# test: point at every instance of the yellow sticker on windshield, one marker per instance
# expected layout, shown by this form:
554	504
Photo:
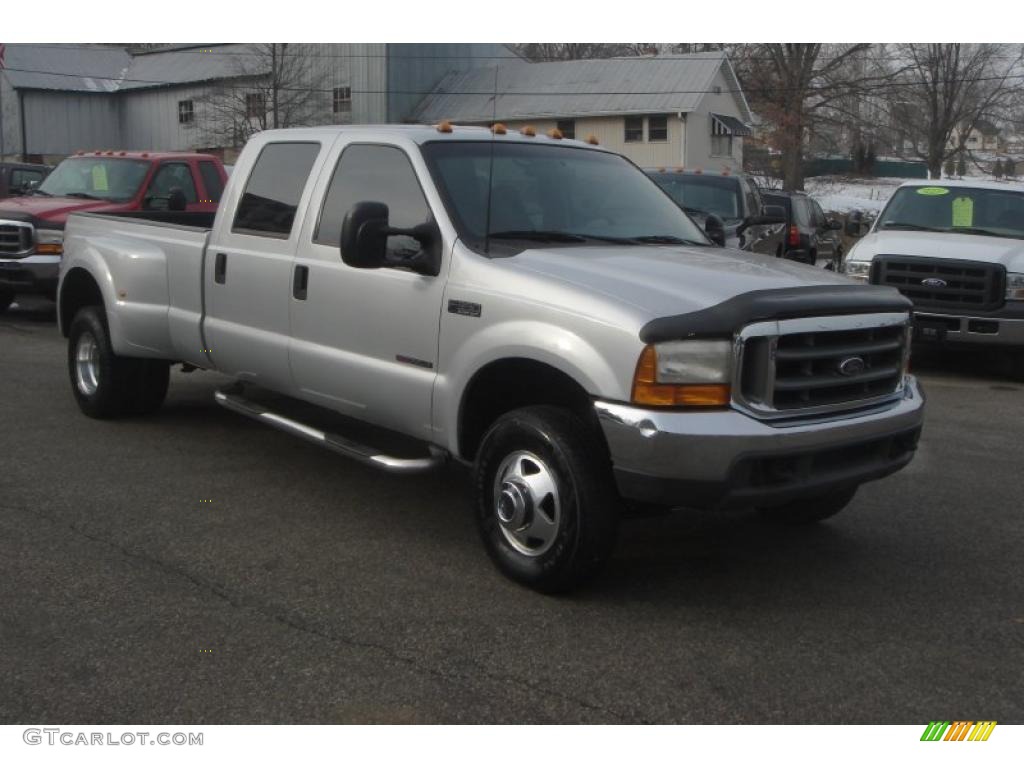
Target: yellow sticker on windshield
963	212
99	178
932	191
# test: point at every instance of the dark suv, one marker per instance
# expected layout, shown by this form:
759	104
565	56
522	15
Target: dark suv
811	237
19	178
726	201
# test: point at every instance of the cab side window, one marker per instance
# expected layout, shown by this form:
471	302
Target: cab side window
274	189
379	174
168	177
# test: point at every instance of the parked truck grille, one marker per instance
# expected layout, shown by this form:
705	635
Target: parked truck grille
795	367
942	283
15	238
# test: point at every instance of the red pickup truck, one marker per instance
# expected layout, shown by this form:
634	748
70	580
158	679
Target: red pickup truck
32	227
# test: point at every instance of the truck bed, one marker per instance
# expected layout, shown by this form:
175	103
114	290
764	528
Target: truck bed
154	274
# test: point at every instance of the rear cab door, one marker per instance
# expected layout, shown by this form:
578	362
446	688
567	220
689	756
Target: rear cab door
248	262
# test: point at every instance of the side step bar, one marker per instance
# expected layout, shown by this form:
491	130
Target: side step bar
336	443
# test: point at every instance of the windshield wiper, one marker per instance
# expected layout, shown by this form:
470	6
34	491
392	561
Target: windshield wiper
41	192
665	240
83	195
909	225
981	231
540	235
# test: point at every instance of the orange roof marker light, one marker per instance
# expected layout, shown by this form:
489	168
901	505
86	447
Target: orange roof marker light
725	171
554	133
698	170
145	154
592	139
528	130
680	169
444	127
499	129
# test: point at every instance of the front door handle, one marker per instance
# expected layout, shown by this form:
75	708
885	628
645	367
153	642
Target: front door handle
300	281
220	268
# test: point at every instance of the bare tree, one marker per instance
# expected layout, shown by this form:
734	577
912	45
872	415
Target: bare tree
798	87
270	88
953	86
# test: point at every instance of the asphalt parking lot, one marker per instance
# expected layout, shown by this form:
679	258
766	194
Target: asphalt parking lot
194	567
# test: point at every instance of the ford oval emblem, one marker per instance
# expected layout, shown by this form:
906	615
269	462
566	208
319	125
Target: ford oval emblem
934	282
851	366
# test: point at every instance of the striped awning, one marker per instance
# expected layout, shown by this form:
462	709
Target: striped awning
725	125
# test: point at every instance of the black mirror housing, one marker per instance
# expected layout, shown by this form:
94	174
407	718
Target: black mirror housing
176	200
714	228
854	224
364	241
835	224
364	237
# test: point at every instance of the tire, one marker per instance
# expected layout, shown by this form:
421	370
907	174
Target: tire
6	299
547	508
105	385
811	510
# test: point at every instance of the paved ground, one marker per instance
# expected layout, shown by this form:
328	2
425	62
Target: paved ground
311	589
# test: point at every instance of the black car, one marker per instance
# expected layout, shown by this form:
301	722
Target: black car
19	178
811	237
726	201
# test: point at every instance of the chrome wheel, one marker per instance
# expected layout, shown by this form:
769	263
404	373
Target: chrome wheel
526	503
87	364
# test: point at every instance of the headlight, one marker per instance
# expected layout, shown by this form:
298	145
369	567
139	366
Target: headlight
858	270
50	241
1015	286
684	373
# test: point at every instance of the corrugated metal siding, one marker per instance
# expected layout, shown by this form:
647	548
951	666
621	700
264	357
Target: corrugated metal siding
62	123
414	69
10	120
74	67
583	88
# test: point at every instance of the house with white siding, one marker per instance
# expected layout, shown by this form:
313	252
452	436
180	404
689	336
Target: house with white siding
659	111
56	99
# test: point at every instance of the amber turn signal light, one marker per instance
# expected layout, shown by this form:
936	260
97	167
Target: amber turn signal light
52	249
647	390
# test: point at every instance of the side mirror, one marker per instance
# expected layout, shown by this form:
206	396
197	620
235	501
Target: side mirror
25	188
834	224
176	200
854	221
714	228
364	241
773	214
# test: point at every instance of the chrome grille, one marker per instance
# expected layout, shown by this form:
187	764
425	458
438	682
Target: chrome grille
804	366
15	238
942	283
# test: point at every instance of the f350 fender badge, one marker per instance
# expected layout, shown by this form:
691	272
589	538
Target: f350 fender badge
465	308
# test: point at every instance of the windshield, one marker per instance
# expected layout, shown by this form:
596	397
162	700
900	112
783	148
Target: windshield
964	210
98	178
553	194
708	194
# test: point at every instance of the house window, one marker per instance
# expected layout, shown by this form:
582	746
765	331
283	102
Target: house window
255	105
634	129
657	128
342	99
567	128
721	145
186	113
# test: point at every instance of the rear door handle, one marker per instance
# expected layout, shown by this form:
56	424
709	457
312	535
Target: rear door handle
300	281
220	268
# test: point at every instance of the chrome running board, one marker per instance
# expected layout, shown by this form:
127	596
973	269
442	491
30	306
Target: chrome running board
337	443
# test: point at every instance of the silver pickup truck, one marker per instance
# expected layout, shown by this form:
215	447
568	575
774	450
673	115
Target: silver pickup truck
532	307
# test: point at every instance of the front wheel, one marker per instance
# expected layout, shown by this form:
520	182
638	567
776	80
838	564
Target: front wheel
811	510
547	509
106	385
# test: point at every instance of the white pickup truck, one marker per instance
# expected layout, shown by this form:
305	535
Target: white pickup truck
956	249
533	307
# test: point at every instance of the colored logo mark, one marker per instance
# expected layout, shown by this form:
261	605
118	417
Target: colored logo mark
960	730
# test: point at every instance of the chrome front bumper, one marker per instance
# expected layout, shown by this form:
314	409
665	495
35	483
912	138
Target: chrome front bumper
30	274
990	329
718	458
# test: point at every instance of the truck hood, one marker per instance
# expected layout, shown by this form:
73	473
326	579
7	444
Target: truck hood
995	250
669	280
54	211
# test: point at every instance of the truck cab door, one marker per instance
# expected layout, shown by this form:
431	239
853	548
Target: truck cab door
247	268
364	341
